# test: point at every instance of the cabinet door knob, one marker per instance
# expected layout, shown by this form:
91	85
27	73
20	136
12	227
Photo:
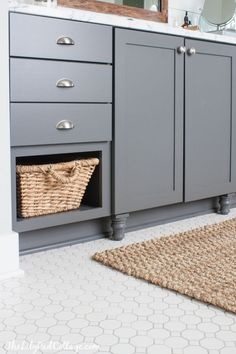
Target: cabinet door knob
65	83
191	51
65	125
65	41
181	50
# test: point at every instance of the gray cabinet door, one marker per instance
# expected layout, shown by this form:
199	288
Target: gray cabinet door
41	81
38	37
210	129
148	146
37	123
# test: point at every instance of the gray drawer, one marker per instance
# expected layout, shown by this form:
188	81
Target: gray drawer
35	124
36	37
36	81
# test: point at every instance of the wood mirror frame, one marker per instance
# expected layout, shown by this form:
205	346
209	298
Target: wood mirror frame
115	9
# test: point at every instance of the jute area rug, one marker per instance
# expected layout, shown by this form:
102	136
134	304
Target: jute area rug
200	263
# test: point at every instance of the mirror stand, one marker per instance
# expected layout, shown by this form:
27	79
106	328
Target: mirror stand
218	13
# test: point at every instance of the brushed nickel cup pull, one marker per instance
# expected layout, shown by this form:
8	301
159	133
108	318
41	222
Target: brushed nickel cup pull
181	50
65	125
191	51
65	41
65	83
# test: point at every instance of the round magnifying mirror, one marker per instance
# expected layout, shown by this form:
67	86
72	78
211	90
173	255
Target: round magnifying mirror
218	12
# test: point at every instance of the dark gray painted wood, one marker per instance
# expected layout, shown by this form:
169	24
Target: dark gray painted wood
148	149
35	124
118	225
225	203
35	81
64	235
96	201
210	120
36	36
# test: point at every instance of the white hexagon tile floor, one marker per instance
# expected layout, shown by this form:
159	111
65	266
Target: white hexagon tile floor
67	303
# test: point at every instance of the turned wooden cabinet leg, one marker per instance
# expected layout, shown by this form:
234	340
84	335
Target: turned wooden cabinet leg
224	203
118	224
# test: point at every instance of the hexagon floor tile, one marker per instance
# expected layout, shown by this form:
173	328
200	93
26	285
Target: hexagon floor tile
67	303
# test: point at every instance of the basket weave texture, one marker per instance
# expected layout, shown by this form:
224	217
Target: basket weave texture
52	188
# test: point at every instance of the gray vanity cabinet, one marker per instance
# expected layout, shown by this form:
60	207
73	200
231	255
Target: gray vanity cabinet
148	138
60	110
210	120
162	104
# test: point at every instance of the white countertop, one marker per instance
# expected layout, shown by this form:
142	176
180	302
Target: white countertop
119	21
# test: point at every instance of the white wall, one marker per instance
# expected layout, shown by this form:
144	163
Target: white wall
9	250
177	10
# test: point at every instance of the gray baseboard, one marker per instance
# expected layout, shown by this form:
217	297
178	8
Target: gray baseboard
70	234
60	236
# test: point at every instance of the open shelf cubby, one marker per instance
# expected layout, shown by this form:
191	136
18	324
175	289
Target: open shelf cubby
95	202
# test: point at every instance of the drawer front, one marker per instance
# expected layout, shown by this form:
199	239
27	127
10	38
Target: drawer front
36	124
38	37
37	80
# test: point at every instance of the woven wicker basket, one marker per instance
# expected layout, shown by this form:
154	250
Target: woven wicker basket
47	189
